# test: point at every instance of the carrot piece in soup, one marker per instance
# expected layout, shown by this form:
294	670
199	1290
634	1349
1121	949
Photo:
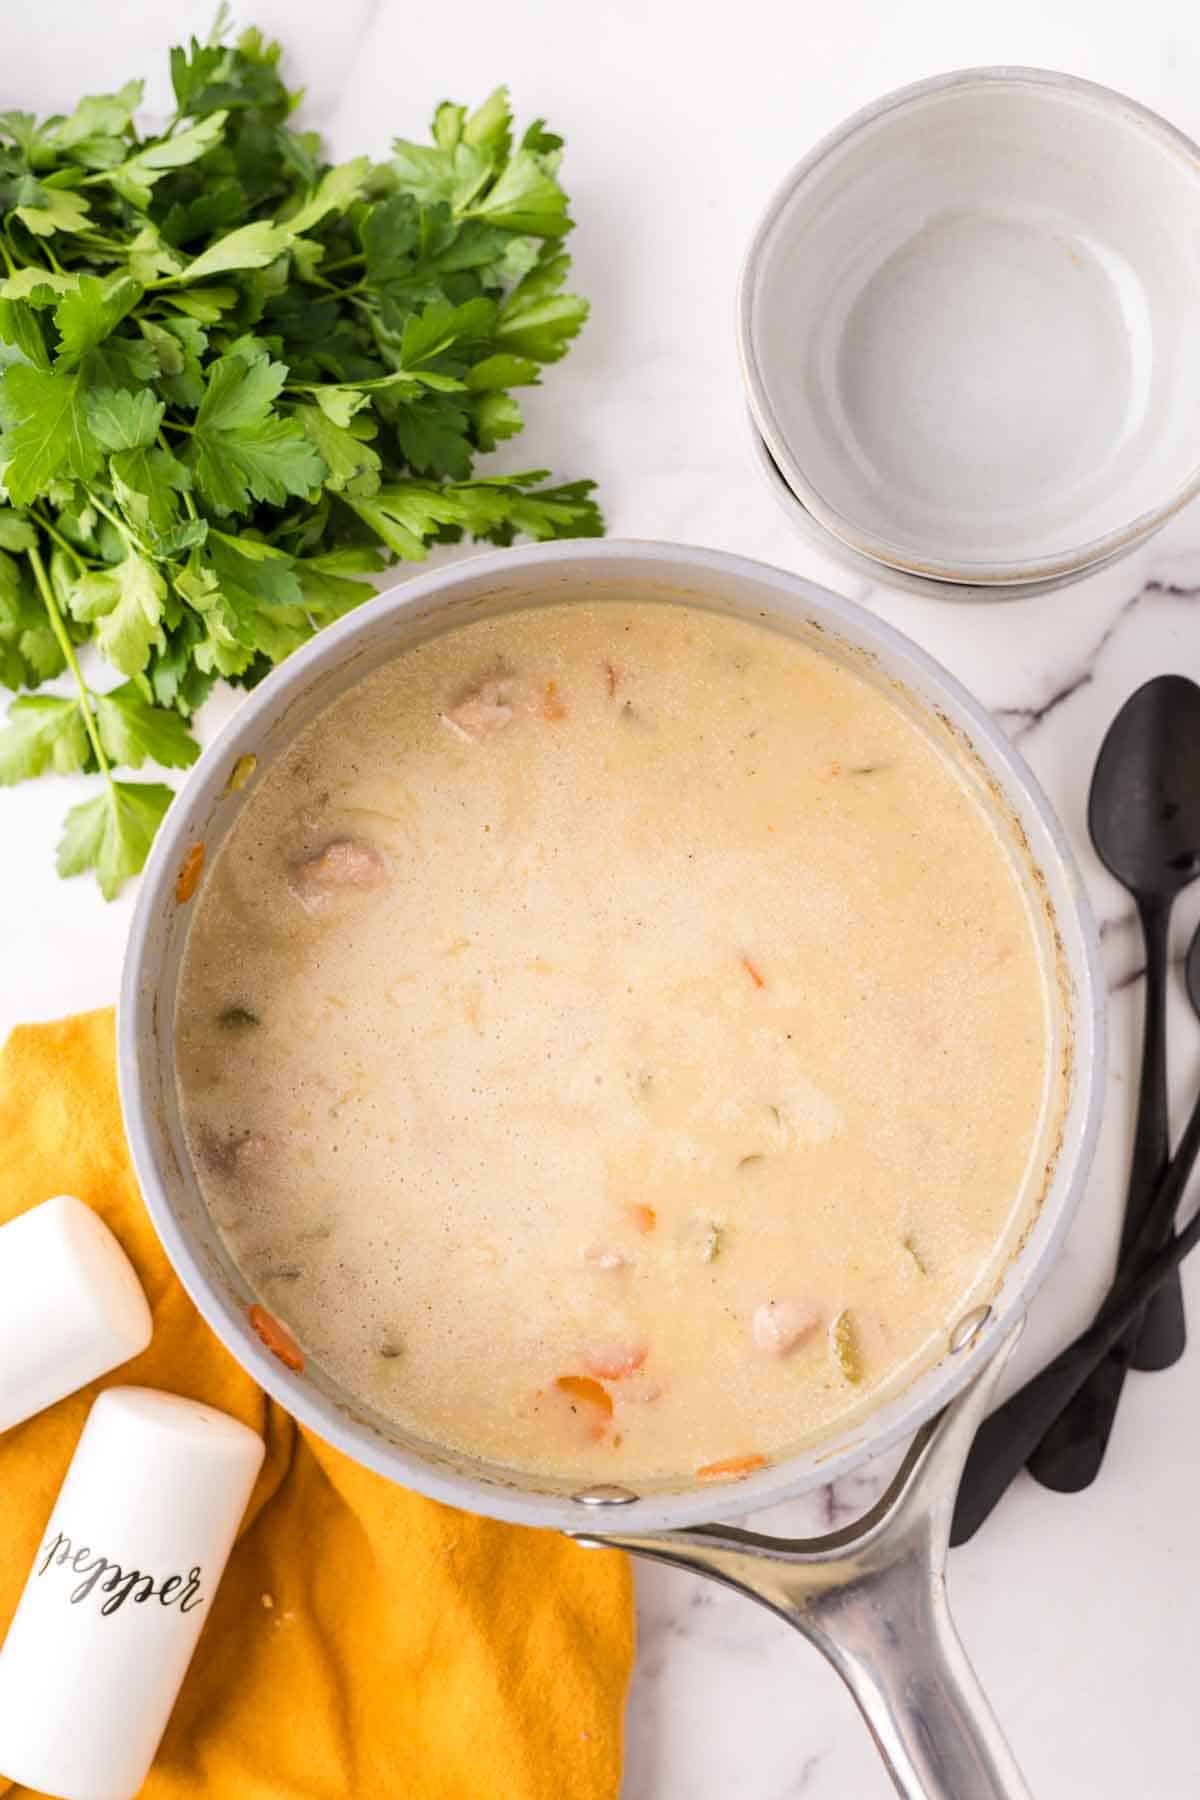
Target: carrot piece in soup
612	676
642	1218
552	707
188	878
589	1400
583	1387
753	972
277	1338
732	1468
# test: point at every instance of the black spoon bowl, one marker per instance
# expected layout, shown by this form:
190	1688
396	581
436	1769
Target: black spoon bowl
1007	1437
1144	820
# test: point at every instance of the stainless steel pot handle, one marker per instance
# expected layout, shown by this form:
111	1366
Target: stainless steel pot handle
872	1598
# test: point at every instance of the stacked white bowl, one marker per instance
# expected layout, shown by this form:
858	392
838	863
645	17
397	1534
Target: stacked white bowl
969	326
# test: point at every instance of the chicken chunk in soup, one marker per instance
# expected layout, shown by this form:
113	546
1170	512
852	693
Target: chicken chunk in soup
614	1040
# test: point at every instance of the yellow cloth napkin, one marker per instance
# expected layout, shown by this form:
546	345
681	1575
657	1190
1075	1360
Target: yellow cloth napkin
365	1641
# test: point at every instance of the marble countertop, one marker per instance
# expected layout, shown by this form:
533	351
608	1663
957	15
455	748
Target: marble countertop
1076	1610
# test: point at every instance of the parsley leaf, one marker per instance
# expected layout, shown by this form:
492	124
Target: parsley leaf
526	197
178	346
438	328
123	421
453	175
16	532
146	486
250	247
41	734
333	585
54	209
194	68
112	834
494	416
352	465
21	332
250	601
126	605
87	315
131	729
46	431
97	116
135	178
433	436
537	321
241	450
41	287
337	189
173	675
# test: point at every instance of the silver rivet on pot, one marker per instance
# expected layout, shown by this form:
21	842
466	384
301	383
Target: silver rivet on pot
604	1495
969	1327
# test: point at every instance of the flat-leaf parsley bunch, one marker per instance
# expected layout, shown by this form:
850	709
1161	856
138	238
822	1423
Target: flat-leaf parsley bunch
236	382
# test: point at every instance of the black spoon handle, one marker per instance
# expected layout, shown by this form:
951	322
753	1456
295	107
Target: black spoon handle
1070	1457
1006	1438
1162	1335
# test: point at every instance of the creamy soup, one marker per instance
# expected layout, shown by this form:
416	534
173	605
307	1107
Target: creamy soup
613	1039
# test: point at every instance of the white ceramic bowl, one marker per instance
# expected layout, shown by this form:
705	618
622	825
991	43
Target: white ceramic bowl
835	549
970	327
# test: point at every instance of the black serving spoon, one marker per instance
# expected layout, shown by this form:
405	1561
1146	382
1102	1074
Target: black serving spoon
1144	819
1006	1438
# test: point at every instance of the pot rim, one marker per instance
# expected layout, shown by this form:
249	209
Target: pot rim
781	1480
1077	561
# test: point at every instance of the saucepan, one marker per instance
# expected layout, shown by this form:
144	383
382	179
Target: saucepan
871	1596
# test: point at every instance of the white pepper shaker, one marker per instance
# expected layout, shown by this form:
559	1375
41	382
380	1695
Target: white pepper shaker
121	1586
71	1307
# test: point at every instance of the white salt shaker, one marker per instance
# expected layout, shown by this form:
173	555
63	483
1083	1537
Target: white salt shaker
71	1307
120	1589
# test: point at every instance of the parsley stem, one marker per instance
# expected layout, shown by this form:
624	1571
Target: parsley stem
131	542
68	649
106	514
82	563
343	262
